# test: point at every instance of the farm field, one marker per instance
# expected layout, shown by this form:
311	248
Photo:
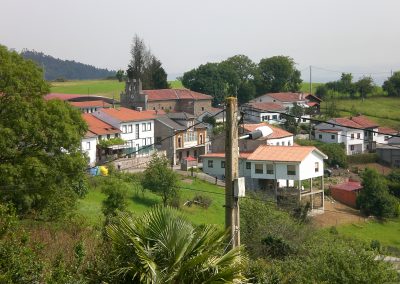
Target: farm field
138	203
305	87
387	233
383	110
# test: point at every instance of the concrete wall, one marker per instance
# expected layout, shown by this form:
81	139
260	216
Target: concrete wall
88	146
389	156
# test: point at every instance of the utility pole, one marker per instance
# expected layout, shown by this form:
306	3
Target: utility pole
310	80
232	220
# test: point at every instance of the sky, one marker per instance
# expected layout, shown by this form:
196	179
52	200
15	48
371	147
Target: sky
359	36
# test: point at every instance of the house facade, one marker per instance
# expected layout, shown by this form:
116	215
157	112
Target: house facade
281	172
90	106
89	147
181	136
173	100
137	127
264	111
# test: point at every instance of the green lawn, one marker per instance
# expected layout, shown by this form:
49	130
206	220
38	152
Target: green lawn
90	206
387	233
305	87
383	110
108	88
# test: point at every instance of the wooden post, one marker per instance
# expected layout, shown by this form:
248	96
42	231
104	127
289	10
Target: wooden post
232	171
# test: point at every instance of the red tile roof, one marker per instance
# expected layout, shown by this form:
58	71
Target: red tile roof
348	186
125	114
288	97
329	130
267	106
174	94
282	153
276	131
63	97
311	104
364	122
387	130
346	122
86	104
98	126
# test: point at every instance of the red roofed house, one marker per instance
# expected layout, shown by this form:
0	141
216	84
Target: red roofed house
137	127
356	133
264	111
97	130
346	192
279	171
174	100
90	106
278	137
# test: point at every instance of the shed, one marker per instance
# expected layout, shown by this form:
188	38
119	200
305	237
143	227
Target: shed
188	162
346	192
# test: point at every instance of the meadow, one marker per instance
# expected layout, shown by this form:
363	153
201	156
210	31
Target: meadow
138	202
383	110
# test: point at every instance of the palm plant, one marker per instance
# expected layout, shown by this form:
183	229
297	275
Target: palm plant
163	247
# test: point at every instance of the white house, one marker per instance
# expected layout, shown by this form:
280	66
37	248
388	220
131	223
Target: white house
90	106
384	134
97	130
137	127
288	99
264	111
357	133
88	146
280	171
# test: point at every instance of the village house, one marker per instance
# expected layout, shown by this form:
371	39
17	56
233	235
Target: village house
172	100
286	100
281	172
389	154
90	106
97	130
357	133
137	127
181	136
277	136
264	111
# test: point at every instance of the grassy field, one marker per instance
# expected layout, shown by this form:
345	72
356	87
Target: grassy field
305	87
387	233
90	206
383	110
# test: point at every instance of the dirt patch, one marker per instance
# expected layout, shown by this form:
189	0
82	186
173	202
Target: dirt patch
379	168
336	214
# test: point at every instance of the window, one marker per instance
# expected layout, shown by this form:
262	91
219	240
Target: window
202	108
154	108
258	168
143	126
333	136
195	154
108	136
223	164
289	143
304	119
149	141
130	128
158	140
248	165
179	142
316	167
352	136
123	128
291	170
162	107
100	137
116	135
351	147
136	131
270	169
387	137
144	141
277	143
283	143
320	136
274	117
210	163
201	139
190	136
87	145
358	135
170	107
148	126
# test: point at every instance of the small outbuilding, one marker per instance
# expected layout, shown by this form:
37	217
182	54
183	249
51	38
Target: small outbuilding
346	192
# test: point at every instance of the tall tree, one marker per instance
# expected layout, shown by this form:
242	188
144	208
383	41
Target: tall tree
364	86
392	85
161	246
145	66
41	165
278	74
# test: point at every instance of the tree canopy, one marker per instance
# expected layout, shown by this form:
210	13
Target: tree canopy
146	67
41	165
392	85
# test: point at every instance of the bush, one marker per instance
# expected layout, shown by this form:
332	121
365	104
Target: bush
202	200
363	158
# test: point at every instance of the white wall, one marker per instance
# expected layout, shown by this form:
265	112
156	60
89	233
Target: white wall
326	137
88	146
307	166
286	141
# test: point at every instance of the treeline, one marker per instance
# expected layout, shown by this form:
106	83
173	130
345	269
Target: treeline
345	87
58	69
240	76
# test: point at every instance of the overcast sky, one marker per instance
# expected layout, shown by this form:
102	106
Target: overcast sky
343	35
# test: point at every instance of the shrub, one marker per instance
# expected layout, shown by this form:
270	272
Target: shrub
202	200
363	158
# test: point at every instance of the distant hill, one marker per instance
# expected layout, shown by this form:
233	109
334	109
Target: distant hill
65	69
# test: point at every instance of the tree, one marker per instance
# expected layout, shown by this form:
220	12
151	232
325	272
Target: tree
392	85
120	75
293	119
145	66
115	189
374	198
364	86
321	91
161	179
41	164
393	180
161	246
278	74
